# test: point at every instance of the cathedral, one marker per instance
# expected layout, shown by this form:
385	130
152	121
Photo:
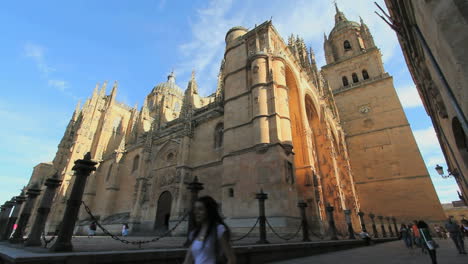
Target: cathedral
335	136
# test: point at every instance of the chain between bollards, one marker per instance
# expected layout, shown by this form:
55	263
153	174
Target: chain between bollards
139	242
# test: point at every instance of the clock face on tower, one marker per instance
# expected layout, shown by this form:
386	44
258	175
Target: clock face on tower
364	109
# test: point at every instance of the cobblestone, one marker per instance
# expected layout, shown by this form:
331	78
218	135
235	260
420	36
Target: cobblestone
386	253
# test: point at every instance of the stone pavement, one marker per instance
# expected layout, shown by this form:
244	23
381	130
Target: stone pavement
386	253
105	243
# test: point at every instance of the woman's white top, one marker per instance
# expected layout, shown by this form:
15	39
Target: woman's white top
206	255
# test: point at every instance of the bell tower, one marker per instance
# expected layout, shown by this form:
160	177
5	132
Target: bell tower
387	166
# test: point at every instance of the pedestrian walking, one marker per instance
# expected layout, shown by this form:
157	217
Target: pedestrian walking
209	241
464	228
366	237
92	229
406	236
125	229
416	235
456	235
426	241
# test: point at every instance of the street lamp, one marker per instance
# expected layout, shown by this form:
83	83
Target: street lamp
440	171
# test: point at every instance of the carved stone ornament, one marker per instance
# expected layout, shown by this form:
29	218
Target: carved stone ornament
255	69
364	109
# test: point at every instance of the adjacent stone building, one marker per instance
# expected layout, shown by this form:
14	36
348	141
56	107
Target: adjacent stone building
433	36
275	122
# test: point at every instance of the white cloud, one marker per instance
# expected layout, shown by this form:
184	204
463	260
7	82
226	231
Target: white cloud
447	193
36	52
427	140
309	19
59	84
203	53
409	96
435	160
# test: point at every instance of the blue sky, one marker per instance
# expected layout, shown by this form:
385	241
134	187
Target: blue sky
54	52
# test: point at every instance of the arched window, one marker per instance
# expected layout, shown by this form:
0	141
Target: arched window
109	172
218	138
231	192
346	45
345	81
355	78
170	156
365	75
136	161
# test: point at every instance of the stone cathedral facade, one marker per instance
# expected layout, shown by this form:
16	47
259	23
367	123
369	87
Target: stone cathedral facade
336	136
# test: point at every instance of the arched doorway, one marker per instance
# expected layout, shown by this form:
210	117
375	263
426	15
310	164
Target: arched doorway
163	211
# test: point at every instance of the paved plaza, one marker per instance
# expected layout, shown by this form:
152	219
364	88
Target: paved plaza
105	243
385	253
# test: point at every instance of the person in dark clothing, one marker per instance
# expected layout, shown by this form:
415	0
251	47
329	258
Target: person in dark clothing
464	228
456	235
427	241
92	230
405	235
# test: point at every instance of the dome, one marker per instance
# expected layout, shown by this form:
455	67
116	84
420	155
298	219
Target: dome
169	87
346	24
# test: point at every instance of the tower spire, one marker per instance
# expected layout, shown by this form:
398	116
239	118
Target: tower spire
339	16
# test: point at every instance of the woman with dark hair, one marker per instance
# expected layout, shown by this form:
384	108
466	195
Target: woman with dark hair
209	241
427	241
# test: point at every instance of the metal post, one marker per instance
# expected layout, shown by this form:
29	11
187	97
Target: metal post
82	168
374	227
261	197
6	209
363	224
37	228
395	225
18	201
305	227
390	229
23	220
347	213
331	222
194	187
384	233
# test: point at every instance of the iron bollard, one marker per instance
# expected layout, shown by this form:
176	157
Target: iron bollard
390	229
347	213
331	222
261	197
395	225
305	227
363	224
34	238
18	201
374	227
83	169
32	193
384	233
6	209
194	187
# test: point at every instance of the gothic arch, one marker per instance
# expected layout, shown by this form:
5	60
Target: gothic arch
136	163
163	211
109	171
296	115
167	148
